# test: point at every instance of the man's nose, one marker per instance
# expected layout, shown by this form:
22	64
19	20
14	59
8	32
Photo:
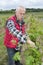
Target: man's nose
22	15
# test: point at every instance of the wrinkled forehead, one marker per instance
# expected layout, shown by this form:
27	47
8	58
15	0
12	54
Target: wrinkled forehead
21	11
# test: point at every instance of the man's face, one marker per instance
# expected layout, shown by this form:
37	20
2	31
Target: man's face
20	14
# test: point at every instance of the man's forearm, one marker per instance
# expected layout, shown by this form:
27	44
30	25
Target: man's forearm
32	44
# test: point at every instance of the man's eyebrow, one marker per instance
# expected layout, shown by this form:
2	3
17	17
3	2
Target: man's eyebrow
22	13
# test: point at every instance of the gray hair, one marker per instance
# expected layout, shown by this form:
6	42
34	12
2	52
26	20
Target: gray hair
19	8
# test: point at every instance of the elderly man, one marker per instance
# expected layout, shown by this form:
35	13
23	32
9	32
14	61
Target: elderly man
15	34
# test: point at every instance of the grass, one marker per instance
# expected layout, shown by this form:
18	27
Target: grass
34	30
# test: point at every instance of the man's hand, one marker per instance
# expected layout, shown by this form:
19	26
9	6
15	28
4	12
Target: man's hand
32	44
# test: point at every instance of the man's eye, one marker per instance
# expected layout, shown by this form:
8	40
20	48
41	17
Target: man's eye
22	13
